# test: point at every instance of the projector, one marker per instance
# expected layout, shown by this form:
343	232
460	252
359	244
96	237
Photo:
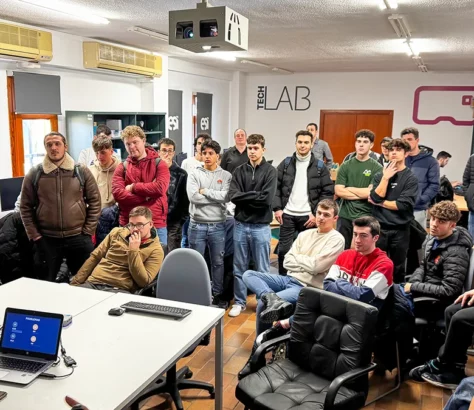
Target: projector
208	28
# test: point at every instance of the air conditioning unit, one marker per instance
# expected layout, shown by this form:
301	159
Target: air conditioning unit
107	57
25	43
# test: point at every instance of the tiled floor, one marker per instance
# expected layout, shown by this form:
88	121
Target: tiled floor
239	334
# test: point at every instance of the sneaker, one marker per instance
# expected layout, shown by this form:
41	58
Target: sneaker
275	331
447	380
220	303
236	310
432	367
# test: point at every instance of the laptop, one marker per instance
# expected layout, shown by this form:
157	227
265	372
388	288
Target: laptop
29	344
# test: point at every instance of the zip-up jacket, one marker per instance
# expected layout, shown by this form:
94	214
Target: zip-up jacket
468	183
178	202
252	191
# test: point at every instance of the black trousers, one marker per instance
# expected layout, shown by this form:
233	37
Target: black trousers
459	332
175	234
346	229
395	242
51	251
292	225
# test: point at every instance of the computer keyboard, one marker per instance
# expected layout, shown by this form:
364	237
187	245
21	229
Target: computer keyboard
26	366
158	310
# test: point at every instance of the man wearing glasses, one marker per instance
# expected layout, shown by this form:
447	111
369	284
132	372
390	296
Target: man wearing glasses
178	202
134	257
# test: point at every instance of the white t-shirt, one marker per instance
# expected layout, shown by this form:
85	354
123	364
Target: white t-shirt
190	164
298	203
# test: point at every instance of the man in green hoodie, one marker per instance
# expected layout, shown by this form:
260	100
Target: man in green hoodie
207	189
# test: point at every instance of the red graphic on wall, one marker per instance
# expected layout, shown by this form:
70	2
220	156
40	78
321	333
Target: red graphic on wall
465	100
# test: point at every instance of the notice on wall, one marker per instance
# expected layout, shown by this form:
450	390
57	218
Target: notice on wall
204	113
175	118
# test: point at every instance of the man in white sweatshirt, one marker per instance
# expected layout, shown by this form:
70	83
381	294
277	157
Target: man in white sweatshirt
308	261
207	190
303	181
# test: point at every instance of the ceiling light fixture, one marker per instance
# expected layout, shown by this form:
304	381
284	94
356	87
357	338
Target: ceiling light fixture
400	25
412	49
282	70
73	11
255	63
388	4
149	33
206	48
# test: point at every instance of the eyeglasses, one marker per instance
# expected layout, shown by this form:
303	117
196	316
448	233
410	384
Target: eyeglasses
166	151
138	226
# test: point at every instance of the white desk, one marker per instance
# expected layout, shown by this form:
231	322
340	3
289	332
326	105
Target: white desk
118	357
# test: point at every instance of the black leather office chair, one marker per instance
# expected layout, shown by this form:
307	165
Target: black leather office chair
184	277
328	358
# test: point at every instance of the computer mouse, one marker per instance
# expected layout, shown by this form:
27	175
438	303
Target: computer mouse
116	311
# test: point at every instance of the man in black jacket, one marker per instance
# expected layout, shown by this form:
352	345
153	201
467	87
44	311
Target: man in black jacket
302	182
236	155
393	195
468	185
252	190
178	202
446	257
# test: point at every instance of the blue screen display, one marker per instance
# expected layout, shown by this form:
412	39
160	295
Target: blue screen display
31	333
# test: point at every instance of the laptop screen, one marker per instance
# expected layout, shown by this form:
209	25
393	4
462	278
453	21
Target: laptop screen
31	332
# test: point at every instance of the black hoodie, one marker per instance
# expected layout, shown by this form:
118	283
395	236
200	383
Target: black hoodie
443	270
252	191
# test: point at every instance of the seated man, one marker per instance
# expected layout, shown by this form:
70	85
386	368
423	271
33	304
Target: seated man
447	370
128	259
446	257
364	273
307	262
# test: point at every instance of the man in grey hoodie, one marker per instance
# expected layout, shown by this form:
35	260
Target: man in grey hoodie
207	190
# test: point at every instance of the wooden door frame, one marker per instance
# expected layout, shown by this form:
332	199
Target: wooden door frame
16	129
354	112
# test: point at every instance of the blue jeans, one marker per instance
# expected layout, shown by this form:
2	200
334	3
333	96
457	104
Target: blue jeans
184	239
251	241
470	225
286	287
212	235
162	235
462	397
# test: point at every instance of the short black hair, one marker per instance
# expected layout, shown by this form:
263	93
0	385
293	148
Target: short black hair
398	143
365	134
443	154
304	133
205	136
103	129
313	124
370	222
214	145
410	130
254	139
55	134
166	141
385	140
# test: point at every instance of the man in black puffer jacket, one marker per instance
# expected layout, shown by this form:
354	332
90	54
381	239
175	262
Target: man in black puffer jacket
446	257
303	181
468	188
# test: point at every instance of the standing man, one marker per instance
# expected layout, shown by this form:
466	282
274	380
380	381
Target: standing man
394	195
207	189
353	184
443	158
321	148
426	169
236	155
384	159
178	202
87	156
142	180
468	185
60	206
302	182
252	190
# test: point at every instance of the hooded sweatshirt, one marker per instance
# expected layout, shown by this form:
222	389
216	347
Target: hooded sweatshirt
104	177
426	169
208	207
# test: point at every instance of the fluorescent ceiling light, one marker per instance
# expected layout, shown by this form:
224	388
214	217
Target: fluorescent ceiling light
281	70
206	48
400	25
412	50
388	4
149	33
254	63
73	11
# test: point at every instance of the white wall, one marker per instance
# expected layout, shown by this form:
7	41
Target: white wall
368	91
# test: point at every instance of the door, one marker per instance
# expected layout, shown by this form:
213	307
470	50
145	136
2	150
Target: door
338	127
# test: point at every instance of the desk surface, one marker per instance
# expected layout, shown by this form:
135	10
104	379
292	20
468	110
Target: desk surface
460	202
117	356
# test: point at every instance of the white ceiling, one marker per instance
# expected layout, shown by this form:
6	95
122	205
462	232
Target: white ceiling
296	35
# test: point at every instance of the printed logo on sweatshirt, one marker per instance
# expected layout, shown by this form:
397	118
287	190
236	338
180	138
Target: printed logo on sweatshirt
367	172
436	260
393	185
219	181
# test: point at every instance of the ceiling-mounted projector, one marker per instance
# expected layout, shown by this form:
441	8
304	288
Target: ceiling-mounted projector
208	28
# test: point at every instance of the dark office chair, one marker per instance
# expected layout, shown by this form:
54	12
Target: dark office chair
183	277
328	358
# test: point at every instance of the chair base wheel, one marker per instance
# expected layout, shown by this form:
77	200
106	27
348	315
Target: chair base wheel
188	375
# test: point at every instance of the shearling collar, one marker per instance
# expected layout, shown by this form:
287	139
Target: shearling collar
67	164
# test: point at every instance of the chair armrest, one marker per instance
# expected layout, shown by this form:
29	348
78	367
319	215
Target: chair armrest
337	383
257	361
423	299
145	289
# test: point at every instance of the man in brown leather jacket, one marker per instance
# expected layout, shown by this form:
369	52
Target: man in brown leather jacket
60	206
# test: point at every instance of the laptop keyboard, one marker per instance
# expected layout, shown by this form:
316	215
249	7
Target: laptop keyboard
26	366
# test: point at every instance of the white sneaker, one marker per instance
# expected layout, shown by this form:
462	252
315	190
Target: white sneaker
236	310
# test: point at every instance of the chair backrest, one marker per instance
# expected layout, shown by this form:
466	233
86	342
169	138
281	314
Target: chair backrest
331	334
184	277
469	281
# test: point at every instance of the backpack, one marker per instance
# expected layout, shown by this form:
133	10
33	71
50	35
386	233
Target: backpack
288	160
124	163
446	191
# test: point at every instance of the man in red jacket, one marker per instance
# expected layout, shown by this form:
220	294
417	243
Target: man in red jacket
142	180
